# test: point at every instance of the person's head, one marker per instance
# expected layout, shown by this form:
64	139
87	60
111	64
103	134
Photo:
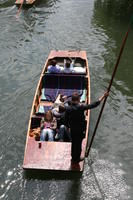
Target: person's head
53	62
68	64
63	97
48	116
75	97
62	108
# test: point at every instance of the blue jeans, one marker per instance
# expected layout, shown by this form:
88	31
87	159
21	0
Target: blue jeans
47	134
63	134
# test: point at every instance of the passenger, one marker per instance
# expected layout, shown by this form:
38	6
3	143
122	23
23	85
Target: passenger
68	66
54	68
61	99
75	120
65	100
48	127
63	134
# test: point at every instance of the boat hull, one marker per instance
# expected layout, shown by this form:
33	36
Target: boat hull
48	155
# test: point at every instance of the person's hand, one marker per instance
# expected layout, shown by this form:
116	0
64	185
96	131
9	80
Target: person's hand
106	94
64	98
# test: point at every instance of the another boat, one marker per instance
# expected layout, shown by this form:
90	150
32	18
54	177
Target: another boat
56	155
25	2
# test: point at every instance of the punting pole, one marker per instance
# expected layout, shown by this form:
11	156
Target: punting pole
109	87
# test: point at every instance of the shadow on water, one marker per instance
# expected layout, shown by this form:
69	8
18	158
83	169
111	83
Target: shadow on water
72	181
73	188
117	9
8	3
73	191
39	3
108	16
47	3
90	162
48	175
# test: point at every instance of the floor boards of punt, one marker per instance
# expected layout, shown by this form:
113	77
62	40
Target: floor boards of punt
51	156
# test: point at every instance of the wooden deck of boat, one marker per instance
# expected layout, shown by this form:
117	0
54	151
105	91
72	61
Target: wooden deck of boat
71	54
51	156
25	2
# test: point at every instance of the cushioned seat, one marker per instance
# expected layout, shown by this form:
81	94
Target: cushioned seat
83	96
43	109
53	85
49	94
79	70
69	92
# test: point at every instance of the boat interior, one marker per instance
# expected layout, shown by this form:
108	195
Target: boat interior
52	85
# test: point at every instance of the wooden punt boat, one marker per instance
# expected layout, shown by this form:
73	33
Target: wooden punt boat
56	155
25	2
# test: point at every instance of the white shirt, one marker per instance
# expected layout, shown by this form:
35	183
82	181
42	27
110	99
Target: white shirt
68	70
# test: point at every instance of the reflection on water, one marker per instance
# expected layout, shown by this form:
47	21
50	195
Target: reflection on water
24	46
115	30
7	3
121	10
120	124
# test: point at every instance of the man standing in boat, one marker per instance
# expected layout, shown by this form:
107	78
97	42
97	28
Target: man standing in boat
75	120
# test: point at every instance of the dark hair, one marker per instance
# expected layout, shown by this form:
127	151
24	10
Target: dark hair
68	64
53	62
75	97
62	108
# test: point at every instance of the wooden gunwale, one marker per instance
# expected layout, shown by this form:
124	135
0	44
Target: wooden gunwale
30	141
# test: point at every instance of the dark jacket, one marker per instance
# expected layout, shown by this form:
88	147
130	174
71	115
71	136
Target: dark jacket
75	118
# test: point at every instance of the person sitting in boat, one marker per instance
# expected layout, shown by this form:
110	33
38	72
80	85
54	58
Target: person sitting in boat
48	127
75	120
54	68
68	66
61	99
63	134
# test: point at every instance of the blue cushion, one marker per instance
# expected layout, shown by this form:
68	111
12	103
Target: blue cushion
43	109
83	97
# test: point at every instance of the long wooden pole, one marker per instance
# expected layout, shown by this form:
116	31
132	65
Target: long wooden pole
108	90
